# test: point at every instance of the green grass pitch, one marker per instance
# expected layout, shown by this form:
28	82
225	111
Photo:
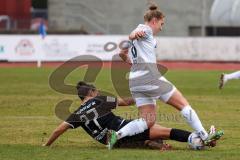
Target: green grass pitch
27	117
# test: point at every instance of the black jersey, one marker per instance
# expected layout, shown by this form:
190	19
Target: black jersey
95	117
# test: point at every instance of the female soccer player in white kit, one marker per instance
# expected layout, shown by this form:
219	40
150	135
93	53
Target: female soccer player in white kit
147	84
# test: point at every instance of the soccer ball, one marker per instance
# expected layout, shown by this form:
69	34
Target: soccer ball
195	142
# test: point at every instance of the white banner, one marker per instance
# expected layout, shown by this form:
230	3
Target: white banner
57	47
3	54
199	49
65	47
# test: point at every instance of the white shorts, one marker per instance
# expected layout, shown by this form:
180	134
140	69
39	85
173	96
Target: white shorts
140	101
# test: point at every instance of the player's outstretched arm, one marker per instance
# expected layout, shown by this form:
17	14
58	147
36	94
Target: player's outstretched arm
124	56
57	132
125	101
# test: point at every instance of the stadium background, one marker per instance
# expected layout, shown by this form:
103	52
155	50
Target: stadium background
200	40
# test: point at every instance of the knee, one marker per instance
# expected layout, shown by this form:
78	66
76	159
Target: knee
150	123
150	119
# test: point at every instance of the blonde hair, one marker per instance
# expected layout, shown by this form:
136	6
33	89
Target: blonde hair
153	12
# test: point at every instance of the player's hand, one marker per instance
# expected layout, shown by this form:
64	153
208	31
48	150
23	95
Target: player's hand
123	51
140	34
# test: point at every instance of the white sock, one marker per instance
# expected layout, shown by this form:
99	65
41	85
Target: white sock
234	75
132	128
192	118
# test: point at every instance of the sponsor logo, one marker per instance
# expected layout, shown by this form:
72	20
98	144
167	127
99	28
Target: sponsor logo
95	48
57	48
24	48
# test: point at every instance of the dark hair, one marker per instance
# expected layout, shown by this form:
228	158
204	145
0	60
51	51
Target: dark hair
83	89
153	12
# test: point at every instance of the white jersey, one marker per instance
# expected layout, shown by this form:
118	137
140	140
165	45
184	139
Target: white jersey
146	83
143	50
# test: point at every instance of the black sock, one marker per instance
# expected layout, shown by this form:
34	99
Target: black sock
179	135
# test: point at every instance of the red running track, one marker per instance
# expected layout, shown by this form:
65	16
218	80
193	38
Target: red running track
184	65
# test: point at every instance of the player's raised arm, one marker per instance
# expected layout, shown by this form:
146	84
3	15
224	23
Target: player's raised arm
57	132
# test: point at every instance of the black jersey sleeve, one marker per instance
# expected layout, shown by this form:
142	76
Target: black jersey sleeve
74	120
107	101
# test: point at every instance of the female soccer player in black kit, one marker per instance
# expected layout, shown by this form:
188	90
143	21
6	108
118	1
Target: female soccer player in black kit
95	117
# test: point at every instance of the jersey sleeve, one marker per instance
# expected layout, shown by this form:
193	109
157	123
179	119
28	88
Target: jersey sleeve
73	120
148	31
111	102
108	101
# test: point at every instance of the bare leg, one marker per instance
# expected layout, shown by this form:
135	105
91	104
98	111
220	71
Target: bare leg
178	101
148	113
147	119
159	132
